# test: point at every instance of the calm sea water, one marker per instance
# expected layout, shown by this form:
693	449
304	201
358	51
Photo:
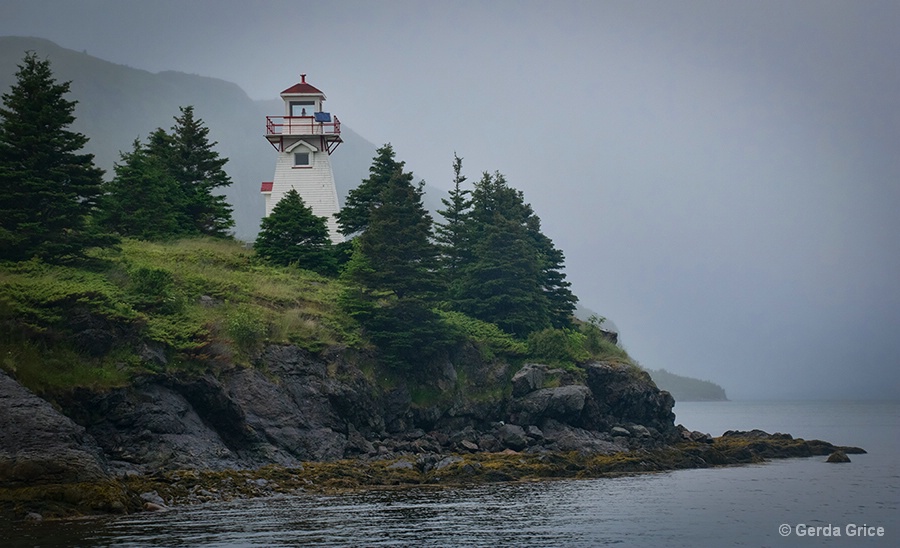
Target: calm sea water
734	506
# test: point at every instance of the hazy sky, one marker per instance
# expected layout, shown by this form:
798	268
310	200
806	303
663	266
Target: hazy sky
723	176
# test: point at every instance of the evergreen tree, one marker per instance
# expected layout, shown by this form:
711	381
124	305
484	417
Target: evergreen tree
48	189
560	299
450	235
198	169
393	277
143	200
353	218
398	242
511	273
292	234
501	284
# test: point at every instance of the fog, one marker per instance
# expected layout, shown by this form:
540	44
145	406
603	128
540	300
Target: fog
724	177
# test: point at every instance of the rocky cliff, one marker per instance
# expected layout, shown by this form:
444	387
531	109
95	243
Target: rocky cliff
295	406
277	428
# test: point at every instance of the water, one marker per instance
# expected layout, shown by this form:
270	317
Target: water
734	506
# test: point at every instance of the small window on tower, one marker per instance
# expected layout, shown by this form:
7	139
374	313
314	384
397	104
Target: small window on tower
301	158
303	108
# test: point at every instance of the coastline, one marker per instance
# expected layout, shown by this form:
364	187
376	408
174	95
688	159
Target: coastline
160	491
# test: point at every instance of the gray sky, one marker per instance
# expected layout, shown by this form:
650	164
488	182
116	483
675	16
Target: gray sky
723	176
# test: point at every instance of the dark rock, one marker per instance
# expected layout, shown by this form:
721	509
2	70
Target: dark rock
528	379
154	354
700	437
639	430
401	465
466	444
570	438
40	445
838	456
563	403
627	394
471	468
533	431
445	462
512	436
619	431
489	443
755	434
153	496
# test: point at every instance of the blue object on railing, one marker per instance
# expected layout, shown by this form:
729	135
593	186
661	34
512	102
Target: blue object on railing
323	116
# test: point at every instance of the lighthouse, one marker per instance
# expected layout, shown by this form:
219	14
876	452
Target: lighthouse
305	136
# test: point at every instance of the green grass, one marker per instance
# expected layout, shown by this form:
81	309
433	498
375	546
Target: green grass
204	300
211	303
59	367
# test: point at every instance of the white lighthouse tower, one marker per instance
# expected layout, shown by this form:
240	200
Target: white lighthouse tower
305	136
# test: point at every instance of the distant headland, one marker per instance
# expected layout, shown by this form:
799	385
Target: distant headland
687	388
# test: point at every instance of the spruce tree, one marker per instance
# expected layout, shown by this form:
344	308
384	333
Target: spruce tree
392	277
450	235
510	272
353	218
48	189
143	200
501	284
198	169
398	242
292	234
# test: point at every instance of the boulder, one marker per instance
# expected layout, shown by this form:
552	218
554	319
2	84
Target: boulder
627	394
466	444
512	436
563	403
39	445
838	457
528	379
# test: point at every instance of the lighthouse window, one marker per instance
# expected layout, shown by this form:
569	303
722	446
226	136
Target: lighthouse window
301	158
303	108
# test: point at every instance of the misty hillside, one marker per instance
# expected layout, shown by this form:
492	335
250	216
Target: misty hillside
118	104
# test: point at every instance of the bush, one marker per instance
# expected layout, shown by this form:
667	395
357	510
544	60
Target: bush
246	328
490	339
153	289
600	347
558	346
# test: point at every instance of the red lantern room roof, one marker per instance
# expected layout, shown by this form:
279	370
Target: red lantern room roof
302	88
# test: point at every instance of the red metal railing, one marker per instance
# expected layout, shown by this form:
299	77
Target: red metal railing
301	125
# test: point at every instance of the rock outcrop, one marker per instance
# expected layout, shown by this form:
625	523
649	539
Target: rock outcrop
296	407
40	445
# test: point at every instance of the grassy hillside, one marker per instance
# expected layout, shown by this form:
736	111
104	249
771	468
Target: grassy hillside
195	306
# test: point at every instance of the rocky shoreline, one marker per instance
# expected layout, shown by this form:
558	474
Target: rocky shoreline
167	489
297	421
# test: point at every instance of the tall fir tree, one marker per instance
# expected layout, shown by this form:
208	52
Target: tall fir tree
398	242
143	200
48	189
353	218
501	284
292	234
511	273
450	235
193	162
393	277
